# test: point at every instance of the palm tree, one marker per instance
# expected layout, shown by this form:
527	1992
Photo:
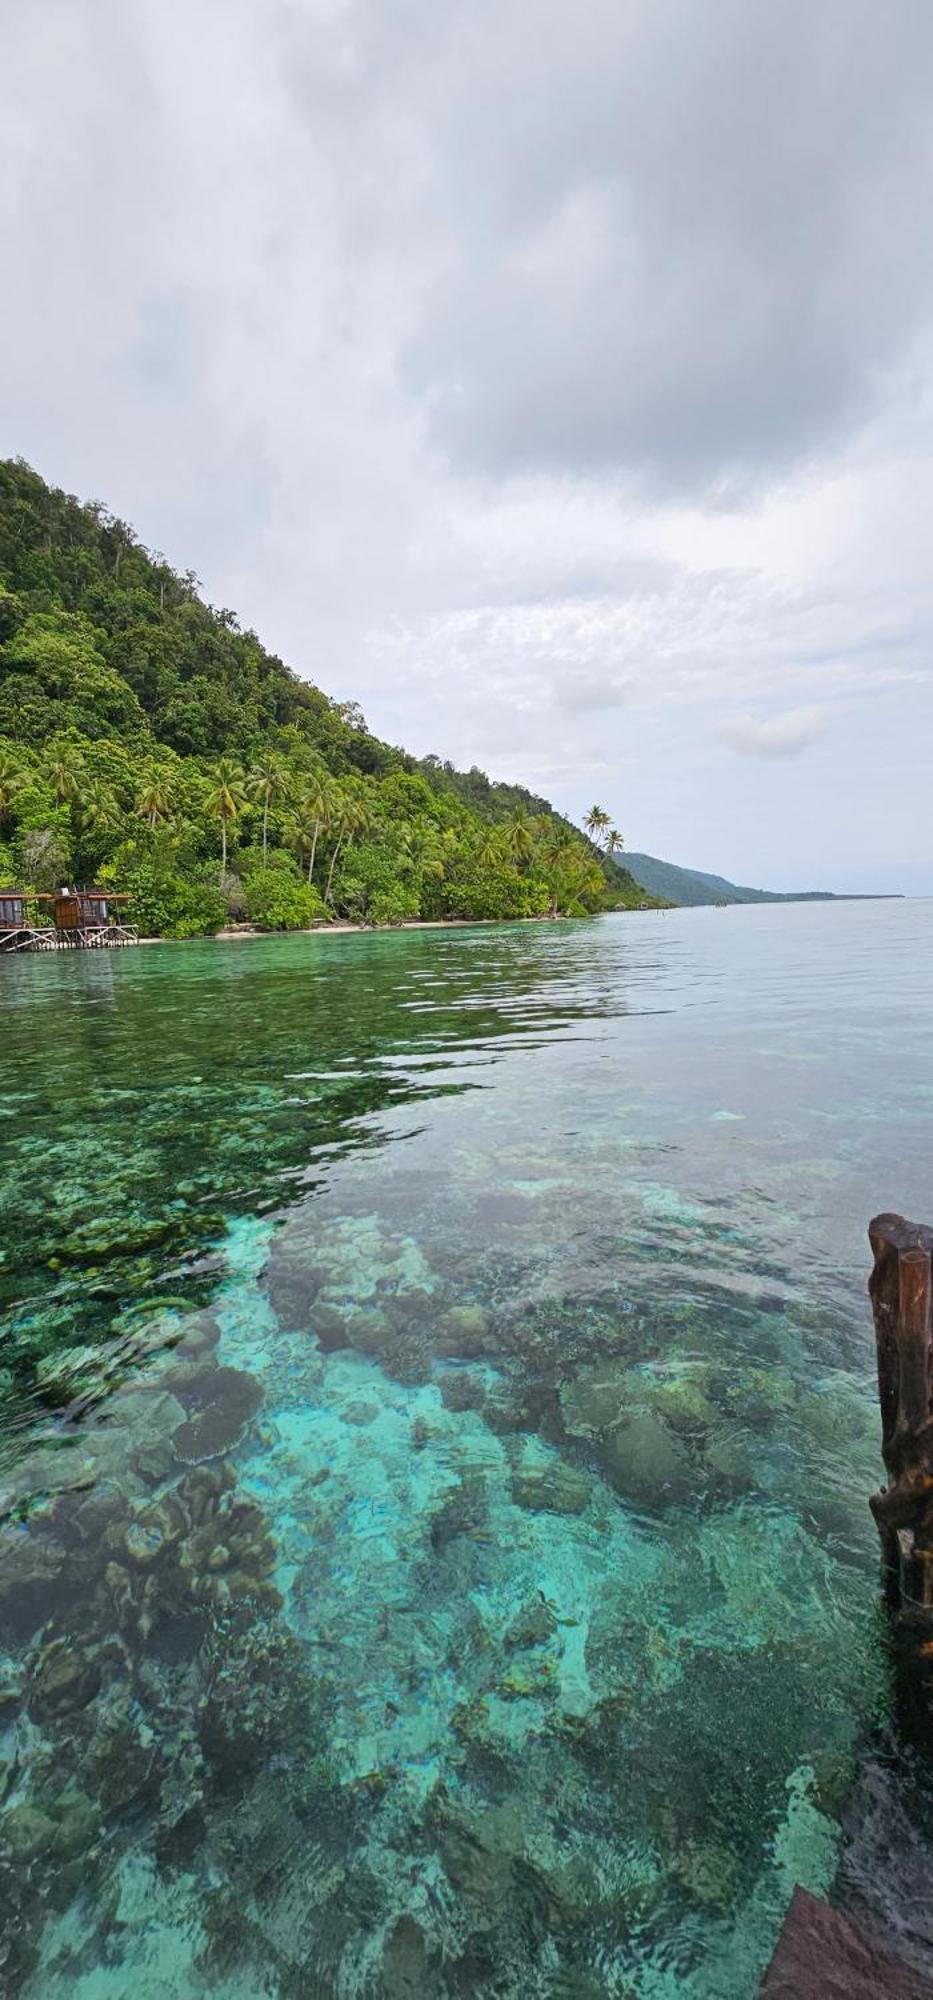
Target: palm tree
13	780
521	839
352	816
225	800
66	773
317	805
596	821
561	861
155	799
301	831
266	781
489	854
614	841
96	811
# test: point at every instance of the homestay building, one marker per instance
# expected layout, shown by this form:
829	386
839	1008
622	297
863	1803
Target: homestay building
75	919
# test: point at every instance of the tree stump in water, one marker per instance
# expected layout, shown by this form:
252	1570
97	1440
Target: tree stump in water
901	1288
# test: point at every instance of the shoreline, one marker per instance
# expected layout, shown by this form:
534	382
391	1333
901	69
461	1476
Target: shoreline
344	928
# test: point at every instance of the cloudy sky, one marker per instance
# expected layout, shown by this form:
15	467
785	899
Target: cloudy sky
555	379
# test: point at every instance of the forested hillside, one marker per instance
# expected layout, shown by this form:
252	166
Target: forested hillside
689	887
147	741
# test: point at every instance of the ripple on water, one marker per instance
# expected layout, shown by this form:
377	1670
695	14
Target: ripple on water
438	1419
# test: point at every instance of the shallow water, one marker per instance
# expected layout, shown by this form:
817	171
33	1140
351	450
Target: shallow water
438	1414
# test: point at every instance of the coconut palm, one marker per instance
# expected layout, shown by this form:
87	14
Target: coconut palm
225	799
597	821
562	855
351	816
66	773
614	841
13	780
302	827
489	853
97	810
267	780
315	807
155	800
521	839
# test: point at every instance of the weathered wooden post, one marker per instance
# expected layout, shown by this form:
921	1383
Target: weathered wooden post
901	1288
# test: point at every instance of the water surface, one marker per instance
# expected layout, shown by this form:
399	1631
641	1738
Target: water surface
438	1413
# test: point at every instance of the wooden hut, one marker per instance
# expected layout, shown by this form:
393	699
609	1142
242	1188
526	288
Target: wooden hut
21	926
77	919
87	917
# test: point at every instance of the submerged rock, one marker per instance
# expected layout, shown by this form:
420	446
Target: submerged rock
595	1400
728	1454
554	1488
463	1511
533	1625
462	1390
463	1332
29	1563
26	1833
479	1851
762	1395
64	1677
710	1872
645	1461
407	1972
224	1400
78	1823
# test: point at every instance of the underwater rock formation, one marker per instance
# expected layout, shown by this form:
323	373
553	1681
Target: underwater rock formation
222	1402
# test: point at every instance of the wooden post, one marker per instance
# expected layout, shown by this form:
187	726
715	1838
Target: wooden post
901	1288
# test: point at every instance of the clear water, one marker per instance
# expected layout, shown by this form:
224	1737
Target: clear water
438	1415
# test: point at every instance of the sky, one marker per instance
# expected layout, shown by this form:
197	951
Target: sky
555	380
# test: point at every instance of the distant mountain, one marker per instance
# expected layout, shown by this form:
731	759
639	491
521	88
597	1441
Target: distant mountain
689	886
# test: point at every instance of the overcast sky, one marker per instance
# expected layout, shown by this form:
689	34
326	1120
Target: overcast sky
555	379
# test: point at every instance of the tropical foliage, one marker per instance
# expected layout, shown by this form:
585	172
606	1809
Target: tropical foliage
146	740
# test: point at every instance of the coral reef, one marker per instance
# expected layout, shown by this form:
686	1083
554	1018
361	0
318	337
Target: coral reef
426	1568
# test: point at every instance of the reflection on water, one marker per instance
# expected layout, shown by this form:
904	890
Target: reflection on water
437	1419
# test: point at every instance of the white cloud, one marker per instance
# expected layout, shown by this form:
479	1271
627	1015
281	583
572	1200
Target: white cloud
778	735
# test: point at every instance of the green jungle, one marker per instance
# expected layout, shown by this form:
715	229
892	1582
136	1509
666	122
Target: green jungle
150	745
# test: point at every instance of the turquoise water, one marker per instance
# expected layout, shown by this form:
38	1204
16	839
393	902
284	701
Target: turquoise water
437	1421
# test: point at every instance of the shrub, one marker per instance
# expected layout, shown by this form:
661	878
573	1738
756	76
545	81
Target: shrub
496	891
277	901
371	885
393	905
172	906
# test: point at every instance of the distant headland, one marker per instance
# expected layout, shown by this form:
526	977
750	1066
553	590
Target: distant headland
690	886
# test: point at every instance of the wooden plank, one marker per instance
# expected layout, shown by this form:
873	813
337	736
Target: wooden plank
820	1955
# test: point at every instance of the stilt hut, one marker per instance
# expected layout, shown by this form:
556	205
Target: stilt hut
74	919
89	917
21	920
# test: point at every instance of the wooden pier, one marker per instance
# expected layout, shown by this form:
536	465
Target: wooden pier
822	1954
74	920
901	1289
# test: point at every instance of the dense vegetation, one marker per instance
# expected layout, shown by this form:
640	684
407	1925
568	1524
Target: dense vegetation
147	741
689	886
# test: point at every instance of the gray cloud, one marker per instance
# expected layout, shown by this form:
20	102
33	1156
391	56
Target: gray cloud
683	242
777	736
502	364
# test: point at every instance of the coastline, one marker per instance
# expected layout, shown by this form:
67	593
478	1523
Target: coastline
342	927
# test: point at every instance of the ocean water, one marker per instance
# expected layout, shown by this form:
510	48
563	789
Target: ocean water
437	1418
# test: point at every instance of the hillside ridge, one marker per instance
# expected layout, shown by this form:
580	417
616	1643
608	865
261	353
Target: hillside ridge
693	887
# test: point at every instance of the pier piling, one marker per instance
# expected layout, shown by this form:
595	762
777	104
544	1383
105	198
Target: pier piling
901	1289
